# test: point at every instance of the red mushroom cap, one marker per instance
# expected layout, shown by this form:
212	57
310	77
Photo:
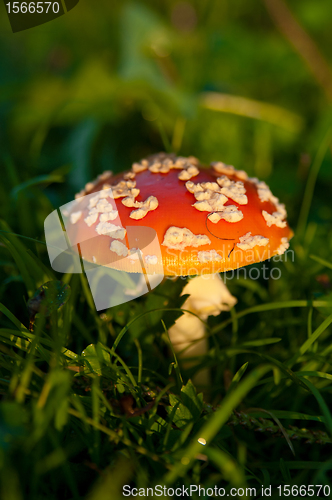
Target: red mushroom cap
207	220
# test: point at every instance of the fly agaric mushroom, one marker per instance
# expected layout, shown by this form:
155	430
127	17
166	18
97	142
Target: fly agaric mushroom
207	220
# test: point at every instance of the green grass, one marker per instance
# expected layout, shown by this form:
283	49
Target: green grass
99	400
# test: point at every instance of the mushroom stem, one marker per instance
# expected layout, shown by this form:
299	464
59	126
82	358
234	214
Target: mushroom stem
208	296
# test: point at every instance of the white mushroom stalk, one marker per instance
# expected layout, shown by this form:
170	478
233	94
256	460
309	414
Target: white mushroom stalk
209	296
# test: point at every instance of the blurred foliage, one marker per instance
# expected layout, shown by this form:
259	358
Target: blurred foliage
91	90
98	89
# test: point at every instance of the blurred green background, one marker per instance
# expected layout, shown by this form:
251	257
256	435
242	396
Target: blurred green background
110	82
93	89
247	83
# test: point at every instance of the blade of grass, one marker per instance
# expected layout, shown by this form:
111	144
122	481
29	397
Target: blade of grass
314	374
95	415
127	326
321	261
311	182
260	342
309	327
49	275
169	425
258	110
26	374
75	400
164	137
287	371
308	343
114	435
238	375
279	424
302	373
11	169
178	133
270	307
140	360
68	473
31	270
12	318
322	404
90	301
81	327
28	366
41	179
292	415
104	400
45	355
230	469
154	409
176	364
215	423
300	465
28	281
24	237
123	364
28	337
182	437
